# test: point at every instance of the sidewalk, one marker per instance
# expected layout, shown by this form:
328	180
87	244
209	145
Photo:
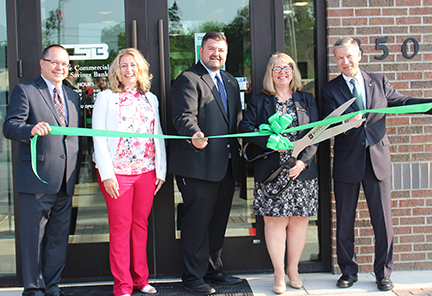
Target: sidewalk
406	283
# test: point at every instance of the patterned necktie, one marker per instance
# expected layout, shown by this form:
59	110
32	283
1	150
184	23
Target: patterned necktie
59	106
356	93
221	89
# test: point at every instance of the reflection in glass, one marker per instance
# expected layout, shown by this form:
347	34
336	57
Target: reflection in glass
7	217
93	32
187	20
228	16
299	19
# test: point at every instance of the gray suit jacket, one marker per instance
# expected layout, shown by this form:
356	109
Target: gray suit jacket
197	106
349	148
57	155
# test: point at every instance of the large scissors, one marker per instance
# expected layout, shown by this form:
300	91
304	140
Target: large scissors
314	136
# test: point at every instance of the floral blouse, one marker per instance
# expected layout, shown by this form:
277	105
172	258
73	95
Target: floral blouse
135	155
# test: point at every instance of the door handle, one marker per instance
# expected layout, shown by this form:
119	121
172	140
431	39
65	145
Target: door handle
134	34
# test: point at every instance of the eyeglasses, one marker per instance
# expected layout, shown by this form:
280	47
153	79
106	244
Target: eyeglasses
56	63
287	69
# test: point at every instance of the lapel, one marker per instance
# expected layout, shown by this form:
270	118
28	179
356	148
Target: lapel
369	88
230	92
70	107
205	76
300	104
270	105
46	95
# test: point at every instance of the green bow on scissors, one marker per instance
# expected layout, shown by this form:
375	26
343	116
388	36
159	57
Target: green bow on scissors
277	125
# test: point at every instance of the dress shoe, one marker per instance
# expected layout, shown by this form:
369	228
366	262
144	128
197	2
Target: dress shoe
62	294
280	289
384	284
296	284
346	281
199	287
223	278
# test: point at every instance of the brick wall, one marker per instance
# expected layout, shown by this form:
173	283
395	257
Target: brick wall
410	135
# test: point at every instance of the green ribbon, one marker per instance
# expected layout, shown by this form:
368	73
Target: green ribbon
277	125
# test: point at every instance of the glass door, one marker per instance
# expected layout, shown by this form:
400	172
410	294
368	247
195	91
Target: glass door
188	21
255	29
93	32
7	217
299	32
185	33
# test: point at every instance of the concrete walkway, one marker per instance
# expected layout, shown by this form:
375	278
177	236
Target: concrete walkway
406	283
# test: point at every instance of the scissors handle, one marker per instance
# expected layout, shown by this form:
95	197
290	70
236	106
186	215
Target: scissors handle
290	163
261	155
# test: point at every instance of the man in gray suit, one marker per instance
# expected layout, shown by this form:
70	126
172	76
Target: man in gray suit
45	209
206	101
362	157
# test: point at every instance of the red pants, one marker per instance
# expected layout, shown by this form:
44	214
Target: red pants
128	222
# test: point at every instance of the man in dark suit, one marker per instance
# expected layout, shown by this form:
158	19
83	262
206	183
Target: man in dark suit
205	168
362	157
44	209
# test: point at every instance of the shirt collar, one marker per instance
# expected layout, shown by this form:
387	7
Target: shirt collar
212	73
51	86
48	83
359	77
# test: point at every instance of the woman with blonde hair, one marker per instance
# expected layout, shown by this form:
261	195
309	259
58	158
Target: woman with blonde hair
130	170
286	208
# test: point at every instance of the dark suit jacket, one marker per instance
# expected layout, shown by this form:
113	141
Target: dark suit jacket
260	108
349	150
197	106
31	103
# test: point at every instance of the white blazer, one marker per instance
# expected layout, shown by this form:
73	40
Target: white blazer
106	117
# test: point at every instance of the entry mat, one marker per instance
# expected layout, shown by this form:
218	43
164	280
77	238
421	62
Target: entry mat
163	289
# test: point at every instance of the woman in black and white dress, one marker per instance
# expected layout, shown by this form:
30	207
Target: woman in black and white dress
286	214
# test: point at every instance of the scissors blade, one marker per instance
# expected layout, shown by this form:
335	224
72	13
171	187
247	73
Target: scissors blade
341	109
336	130
310	137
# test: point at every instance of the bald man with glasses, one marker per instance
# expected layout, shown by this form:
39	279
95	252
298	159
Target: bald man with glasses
45	208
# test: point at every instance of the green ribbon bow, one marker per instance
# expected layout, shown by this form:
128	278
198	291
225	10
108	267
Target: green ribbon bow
277	125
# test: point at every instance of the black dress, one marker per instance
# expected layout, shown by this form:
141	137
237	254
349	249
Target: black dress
300	198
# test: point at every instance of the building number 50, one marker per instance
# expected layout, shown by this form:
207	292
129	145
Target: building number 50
380	46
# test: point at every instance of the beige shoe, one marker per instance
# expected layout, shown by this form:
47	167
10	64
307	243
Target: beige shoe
279	289
296	284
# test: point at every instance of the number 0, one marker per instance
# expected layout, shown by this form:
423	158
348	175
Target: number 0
404	48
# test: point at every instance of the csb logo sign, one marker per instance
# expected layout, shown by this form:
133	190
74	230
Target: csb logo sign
87	51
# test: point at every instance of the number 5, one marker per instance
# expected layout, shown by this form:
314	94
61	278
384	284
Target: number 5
383	47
